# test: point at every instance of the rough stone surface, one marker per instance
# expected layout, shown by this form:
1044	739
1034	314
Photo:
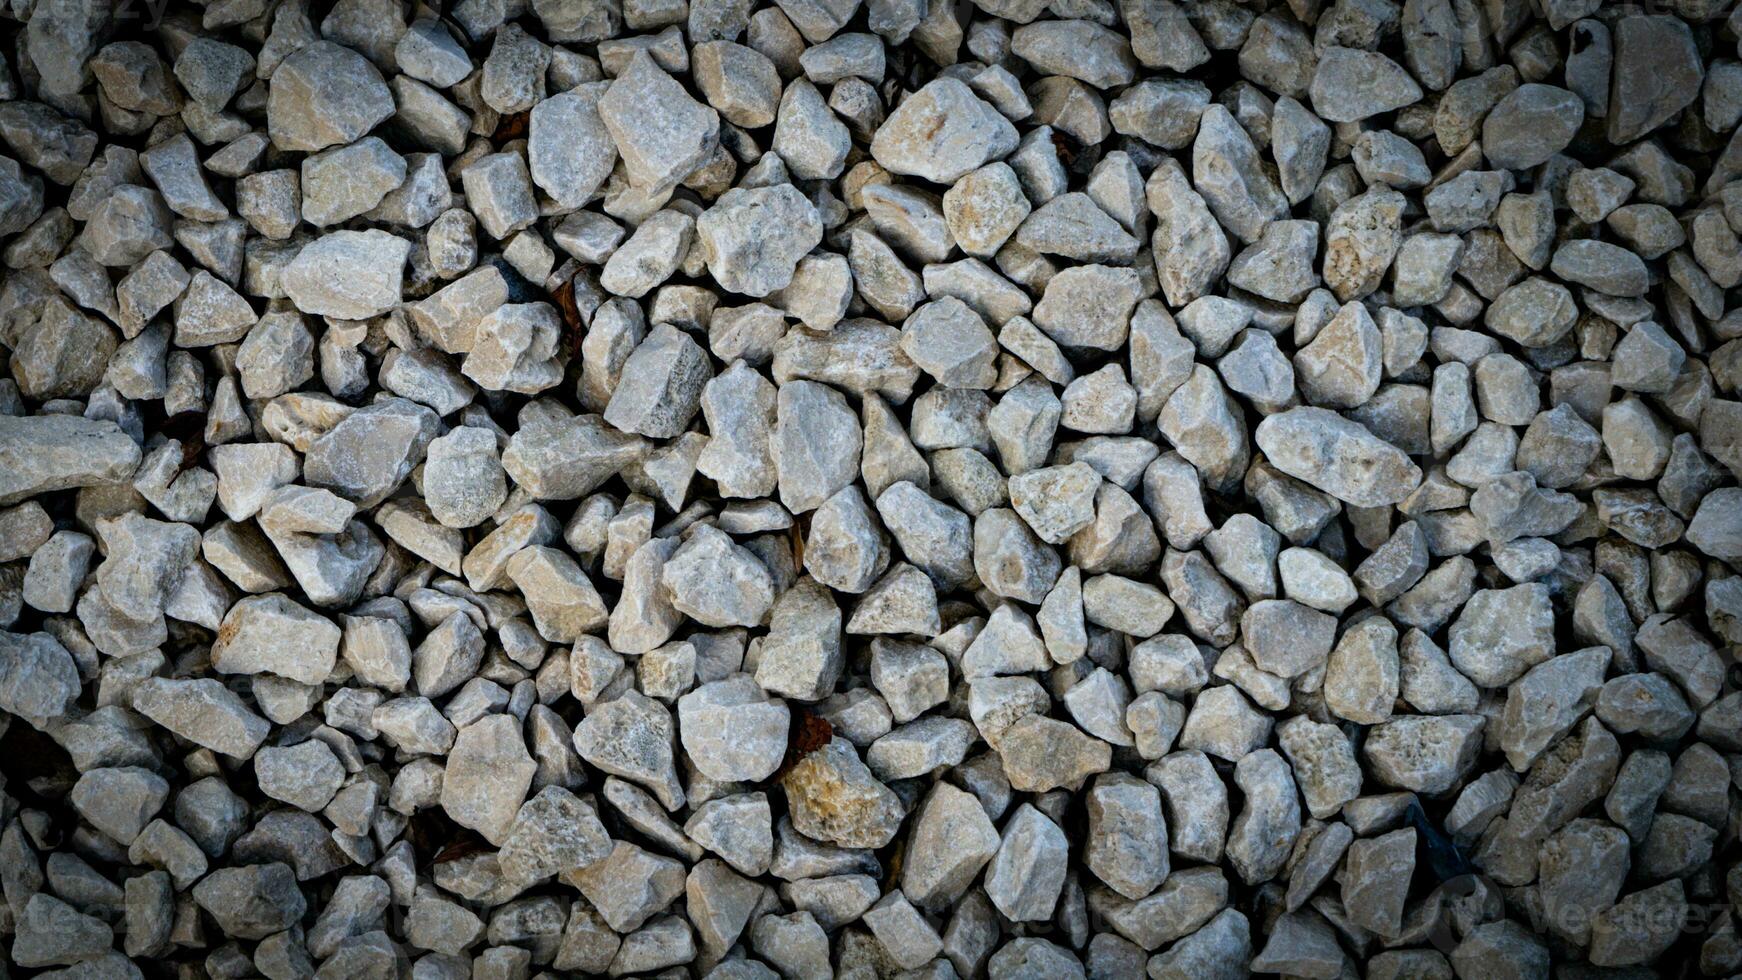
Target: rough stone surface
1008	489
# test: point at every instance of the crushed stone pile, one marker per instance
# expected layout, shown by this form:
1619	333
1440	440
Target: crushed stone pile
737	489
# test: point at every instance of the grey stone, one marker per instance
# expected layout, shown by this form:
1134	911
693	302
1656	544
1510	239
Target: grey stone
753	239
1530	124
569	150
1263	832
1042	754
811	141
563	603
1376	880
1337	455
1074	226
951	840
816	444
499	191
661	133
305	775
487	774
367	455
1190	249
1361	240
515	348
1089	306
1657	72
1079	49
554	832
203	712
463	479
40	681
1324	764
322	95
984	207
564	459
1127	844
731	731
1424	753
1226	171
352	275
1351	84
650	256
941	133
252	901
631	737
1502	633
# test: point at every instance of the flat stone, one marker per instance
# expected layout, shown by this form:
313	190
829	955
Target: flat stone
1657	72
1424	753
202	711
1027	872
251	901
40	681
569	150
1502	633
60	452
1532	123
732	731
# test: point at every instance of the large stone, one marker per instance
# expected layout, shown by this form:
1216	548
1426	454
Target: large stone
1532	123
1657	72
569	149
1502	633
835	798
323	95
252	901
662	134
40	453
1042	754
942	132
351	275
753	238
488	772
817	444
1424	753
1351	84
732	731
371	451
631	737
1337	455
38	679
554	832
1026	874
274	634
567	458
202	711
1226	170
951	840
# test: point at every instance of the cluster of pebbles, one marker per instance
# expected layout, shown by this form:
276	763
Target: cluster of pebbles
1029	489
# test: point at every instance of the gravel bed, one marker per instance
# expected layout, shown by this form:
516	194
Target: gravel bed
737	489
